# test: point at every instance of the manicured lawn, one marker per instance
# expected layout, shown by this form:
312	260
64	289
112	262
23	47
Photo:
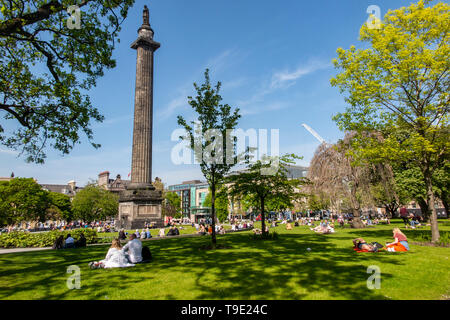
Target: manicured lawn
248	269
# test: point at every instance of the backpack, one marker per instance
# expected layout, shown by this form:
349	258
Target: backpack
146	254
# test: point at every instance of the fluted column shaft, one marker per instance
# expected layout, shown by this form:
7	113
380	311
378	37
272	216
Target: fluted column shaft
141	167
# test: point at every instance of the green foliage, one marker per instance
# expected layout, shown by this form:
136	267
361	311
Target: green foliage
266	180
172	205
46	69
61	207
208	136
42	239
426	236
265	236
398	93
94	203
221	206
318	202
22	199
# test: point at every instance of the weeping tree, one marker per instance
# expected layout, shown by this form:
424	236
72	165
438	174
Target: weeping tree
332	171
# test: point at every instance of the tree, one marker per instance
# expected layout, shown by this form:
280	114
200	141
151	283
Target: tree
22	199
398	88
171	205
60	208
266	187
222	202
209	137
332	170
48	64
94	203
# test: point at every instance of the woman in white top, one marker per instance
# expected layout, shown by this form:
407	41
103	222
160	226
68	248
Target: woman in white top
115	258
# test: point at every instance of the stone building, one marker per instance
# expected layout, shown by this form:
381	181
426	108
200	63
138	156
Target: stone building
114	185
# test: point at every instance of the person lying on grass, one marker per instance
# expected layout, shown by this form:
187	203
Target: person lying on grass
400	243
324	229
115	258
361	244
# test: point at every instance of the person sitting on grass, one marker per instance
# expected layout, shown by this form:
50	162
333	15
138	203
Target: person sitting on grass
361	244
115	258
288	226
202	230
172	231
257	231
133	249
81	243
70	242
59	243
400	243
148	234
162	234
122	235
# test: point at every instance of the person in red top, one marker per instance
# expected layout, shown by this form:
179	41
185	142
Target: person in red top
404	215
400	243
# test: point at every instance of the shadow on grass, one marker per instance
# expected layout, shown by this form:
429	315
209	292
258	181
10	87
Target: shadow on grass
248	270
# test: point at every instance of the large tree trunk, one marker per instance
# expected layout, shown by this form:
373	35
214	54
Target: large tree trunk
356	221
431	207
213	214
423	208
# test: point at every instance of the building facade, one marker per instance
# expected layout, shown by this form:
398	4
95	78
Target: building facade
192	193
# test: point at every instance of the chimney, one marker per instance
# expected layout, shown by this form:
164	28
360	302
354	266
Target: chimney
72	184
103	178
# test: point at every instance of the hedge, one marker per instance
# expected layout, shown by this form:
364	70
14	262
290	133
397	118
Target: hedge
44	239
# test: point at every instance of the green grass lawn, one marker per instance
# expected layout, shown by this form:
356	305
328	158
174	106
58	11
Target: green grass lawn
248	269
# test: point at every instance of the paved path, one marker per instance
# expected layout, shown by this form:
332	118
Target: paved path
17	250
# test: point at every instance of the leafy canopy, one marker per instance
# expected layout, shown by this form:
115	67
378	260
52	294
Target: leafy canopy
46	69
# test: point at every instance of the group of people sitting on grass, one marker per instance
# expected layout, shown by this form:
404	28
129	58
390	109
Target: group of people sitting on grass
121	257
69	242
324	227
400	243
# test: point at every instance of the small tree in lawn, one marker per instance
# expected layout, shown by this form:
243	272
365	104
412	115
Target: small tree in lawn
95	203
266	187
208	137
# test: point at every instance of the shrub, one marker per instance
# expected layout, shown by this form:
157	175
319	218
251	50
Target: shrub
425	236
44	239
265	236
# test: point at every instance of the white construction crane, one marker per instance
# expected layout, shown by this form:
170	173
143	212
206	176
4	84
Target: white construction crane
314	133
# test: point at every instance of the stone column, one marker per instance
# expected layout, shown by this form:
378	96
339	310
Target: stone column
141	166
141	202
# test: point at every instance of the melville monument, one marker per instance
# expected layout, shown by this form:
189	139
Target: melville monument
141	202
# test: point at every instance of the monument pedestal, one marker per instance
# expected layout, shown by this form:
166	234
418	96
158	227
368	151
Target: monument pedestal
138	206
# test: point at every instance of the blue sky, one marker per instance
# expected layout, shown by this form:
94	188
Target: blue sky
272	57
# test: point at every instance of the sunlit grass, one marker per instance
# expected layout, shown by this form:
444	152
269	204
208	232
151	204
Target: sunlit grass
248	269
